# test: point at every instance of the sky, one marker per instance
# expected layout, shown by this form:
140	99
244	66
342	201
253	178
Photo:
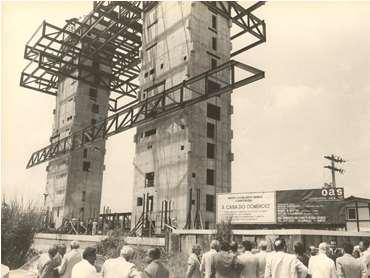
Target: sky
314	101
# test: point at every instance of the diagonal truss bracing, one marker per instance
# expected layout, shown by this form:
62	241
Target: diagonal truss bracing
110	36
187	93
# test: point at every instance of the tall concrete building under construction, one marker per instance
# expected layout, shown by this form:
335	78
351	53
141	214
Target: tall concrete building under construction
162	67
74	180
184	159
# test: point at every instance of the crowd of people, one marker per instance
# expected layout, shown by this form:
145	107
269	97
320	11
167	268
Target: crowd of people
229	260
223	260
58	263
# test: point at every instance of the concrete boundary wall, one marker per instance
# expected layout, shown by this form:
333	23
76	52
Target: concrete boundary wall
43	241
276	232
183	240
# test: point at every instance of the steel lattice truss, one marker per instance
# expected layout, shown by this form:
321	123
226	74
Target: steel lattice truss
111	36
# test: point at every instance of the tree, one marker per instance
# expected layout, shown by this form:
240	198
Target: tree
19	223
224	231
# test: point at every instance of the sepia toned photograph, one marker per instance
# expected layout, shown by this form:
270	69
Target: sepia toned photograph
185	139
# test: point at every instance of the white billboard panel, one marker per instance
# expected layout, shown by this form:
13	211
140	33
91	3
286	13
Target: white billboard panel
247	208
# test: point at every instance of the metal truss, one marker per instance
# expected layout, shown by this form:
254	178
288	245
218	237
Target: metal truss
244	19
194	90
109	36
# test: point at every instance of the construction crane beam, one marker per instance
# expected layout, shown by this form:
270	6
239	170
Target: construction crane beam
109	35
187	93
244	19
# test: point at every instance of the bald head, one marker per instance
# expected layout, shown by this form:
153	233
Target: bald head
215	244
127	252
75	244
323	248
263	245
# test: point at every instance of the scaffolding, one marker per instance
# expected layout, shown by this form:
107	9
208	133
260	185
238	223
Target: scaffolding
110	36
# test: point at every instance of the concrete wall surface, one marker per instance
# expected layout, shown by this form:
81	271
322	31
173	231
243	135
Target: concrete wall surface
43	241
183	240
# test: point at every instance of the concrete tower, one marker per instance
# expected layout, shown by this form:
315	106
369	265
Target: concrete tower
183	160
74	180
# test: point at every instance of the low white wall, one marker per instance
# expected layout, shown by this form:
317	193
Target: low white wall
43	241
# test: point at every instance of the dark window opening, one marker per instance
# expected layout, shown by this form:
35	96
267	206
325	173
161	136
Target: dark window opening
58	211
210	200
83	196
351	214
150	132
149	179
210	177
93	93
86	166
214	22
210	150
85	153
182	147
161	66
182	126
95	108
151	203
213	111
185	58
193	175
214	43
206	225
210	130
82	212
151	71
139	201
213	63
212	86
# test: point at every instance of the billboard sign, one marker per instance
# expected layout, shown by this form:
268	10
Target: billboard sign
306	206
310	206
247	208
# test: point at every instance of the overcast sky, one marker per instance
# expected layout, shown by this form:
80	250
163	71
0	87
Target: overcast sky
315	100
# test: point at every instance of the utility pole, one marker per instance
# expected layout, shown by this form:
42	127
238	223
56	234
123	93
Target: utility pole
333	159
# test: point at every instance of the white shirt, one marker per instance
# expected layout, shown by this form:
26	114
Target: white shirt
119	268
207	262
283	265
366	260
321	266
84	269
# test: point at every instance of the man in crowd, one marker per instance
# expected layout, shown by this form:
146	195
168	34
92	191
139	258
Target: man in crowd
366	255
69	260
321	266
47	263
85	268
155	269
261	258
207	262
121	267
299	252
225	262
249	261
282	264
193	270
348	266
